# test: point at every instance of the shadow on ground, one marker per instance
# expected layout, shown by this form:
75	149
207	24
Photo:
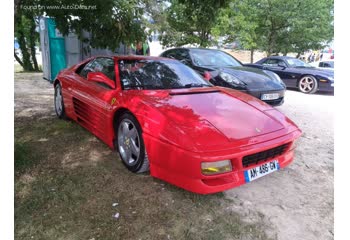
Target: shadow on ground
66	181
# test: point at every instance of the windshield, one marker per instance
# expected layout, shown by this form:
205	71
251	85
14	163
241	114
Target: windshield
158	74
293	62
203	57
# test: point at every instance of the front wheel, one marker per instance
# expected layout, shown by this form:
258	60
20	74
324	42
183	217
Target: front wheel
308	84
59	105
130	144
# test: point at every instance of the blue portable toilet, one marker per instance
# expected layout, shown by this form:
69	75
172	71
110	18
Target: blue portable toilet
53	48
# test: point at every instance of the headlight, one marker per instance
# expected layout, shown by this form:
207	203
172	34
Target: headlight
277	77
230	78
211	168
274	75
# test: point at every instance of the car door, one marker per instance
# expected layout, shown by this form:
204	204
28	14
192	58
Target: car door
282	69
91	100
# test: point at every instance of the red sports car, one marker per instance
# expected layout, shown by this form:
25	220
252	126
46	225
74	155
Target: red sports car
162	116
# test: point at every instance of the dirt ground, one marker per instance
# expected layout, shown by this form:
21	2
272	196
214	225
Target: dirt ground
66	182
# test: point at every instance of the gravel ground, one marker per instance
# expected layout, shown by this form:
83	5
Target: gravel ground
296	202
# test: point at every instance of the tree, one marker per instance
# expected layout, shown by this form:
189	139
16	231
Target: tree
110	22
239	23
27	37
278	26
191	22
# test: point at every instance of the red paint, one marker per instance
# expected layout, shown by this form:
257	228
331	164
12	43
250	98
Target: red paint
181	130
207	75
100	78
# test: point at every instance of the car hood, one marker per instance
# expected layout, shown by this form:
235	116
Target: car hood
210	116
254	78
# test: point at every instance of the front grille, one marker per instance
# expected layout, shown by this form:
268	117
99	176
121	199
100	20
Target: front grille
264	155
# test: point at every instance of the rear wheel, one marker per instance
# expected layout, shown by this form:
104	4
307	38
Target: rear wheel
308	84
59	105
130	144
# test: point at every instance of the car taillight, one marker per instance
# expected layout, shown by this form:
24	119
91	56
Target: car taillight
207	76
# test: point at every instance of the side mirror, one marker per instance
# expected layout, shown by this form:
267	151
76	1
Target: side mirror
100	78
281	65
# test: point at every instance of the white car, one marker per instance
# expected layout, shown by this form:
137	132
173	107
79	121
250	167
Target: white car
329	64
326	64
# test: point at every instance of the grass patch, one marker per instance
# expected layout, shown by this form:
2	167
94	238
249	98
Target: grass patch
69	195
24	157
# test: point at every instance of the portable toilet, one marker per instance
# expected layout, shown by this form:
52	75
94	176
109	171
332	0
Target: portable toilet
53	48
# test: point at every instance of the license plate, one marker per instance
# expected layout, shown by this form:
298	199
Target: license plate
260	171
270	96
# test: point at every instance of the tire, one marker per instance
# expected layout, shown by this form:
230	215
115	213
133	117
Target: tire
59	103
308	84
130	144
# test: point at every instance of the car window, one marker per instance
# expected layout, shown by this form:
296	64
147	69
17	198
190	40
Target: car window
205	57
297	63
85	69
158	74
103	65
183	55
328	64
178	54
281	63
169	54
271	62
81	67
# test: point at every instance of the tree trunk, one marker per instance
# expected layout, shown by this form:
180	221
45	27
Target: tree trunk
298	55
18	59
27	65
251	55
32	44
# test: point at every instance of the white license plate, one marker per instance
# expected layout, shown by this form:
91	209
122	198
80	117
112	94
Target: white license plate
260	171
270	96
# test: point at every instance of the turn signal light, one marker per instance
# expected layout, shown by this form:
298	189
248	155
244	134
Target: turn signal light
211	168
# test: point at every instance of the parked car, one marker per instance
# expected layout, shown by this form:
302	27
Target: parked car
160	115
326	64
222	69
298	74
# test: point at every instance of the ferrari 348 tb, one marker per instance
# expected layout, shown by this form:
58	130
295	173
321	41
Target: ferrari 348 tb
161	116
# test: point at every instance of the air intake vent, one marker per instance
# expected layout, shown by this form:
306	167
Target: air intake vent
264	156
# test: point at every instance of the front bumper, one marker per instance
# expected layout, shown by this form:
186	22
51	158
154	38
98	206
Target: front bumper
326	86
182	168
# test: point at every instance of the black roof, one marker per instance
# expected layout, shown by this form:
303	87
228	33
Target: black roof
280	57
191	48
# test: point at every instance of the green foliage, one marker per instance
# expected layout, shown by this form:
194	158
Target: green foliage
110	22
278	26
27	38
191	22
